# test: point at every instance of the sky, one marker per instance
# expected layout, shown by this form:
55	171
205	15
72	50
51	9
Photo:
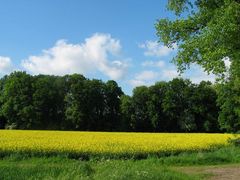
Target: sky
107	39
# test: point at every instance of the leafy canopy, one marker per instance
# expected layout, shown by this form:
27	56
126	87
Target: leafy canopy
205	31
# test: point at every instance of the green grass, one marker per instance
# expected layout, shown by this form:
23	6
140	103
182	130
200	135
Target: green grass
60	167
224	155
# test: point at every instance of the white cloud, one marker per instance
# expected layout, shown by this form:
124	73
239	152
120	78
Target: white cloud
169	74
95	54
6	65
144	78
202	77
153	48
196	74
136	83
227	62
146	75
159	64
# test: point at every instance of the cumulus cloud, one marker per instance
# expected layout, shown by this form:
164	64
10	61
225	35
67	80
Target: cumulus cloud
197	74
136	83
144	78
159	64
227	62
147	77
202	77
169	74
99	52
153	48
6	65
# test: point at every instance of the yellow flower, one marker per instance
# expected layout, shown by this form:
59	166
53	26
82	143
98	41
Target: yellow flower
114	143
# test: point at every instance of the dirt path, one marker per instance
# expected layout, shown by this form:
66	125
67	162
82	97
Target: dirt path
224	172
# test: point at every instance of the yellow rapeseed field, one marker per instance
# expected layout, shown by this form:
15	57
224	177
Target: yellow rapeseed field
78	143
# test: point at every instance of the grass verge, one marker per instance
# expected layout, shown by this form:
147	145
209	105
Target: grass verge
19	166
62	168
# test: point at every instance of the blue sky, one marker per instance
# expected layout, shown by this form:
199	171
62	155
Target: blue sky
100	39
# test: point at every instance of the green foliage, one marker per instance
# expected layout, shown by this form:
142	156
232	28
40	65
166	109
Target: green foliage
73	102
47	100
126	110
205	108
73	99
93	105
176	106
179	6
140	120
228	100
156	113
207	33
112	101
16	100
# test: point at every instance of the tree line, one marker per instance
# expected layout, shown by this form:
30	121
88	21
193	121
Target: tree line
70	102
73	102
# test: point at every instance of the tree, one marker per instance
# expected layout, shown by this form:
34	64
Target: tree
94	106
205	107
229	102
85	104
126	110
112	106
17	105
206	32
3	120
158	118
48	101
140	119
75	100
177	105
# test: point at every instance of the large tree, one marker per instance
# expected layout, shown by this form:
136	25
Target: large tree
140	120
158	118
16	100
2	118
112	94
75	101
48	101
205	108
127	111
207	33
177	106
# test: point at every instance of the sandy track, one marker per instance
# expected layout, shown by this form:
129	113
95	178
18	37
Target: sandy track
221	173
224	172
